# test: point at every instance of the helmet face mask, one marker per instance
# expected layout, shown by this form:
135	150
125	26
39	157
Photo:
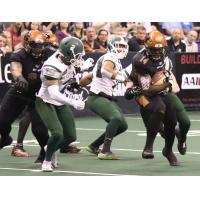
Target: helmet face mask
118	46
34	43
72	51
157	54
36	48
75	62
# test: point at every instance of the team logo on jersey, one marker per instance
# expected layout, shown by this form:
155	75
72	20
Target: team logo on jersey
76	94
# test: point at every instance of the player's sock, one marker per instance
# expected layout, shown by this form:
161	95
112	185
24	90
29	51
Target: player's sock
98	142
106	145
52	146
23	126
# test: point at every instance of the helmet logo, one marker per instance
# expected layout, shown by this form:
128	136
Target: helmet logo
72	48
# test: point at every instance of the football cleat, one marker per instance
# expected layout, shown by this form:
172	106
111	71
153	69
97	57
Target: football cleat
70	149
170	157
107	156
54	159
147	154
19	151
92	150
182	146
46	166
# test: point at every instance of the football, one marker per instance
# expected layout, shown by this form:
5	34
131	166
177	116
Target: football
158	78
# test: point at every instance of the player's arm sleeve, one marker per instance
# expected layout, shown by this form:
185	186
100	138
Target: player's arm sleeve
56	95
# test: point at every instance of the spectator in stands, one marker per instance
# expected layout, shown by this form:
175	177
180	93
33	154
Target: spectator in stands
119	29
49	26
132	32
9	39
62	31
78	30
175	44
186	26
101	25
21	44
102	41
15	30
26	25
190	42
157	26
90	44
137	43
34	26
169	27
146	25
4	47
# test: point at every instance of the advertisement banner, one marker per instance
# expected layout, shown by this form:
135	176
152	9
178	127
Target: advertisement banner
188	78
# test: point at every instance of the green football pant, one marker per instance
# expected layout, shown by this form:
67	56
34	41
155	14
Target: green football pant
60	122
111	113
181	114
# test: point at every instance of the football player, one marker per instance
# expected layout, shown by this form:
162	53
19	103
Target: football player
25	69
107	73
18	150
153	60
52	105
160	58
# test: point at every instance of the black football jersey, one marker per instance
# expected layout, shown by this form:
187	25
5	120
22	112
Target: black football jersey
142	64
31	68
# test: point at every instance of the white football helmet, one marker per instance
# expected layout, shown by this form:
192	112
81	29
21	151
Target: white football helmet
118	46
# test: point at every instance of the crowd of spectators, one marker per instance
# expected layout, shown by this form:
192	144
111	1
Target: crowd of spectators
181	36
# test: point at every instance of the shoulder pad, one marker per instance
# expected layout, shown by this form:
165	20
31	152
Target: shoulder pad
51	71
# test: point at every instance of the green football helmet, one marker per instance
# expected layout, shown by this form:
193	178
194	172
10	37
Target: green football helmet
72	51
118	46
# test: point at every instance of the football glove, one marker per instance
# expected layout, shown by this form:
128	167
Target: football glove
132	92
73	85
78	104
87	64
21	84
169	80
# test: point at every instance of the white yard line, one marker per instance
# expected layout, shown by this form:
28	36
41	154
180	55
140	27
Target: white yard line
62	171
155	151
